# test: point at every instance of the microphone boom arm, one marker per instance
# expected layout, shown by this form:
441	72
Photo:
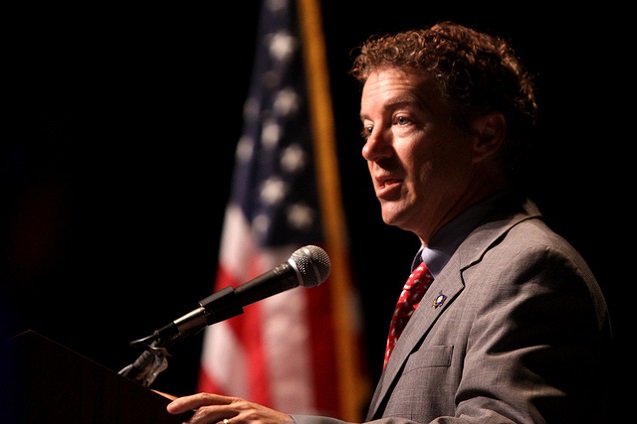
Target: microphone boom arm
154	359
308	266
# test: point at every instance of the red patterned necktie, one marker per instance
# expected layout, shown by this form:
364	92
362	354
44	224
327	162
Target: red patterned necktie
413	290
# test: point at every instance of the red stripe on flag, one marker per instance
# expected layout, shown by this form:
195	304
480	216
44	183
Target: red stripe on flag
321	322
247	329
252	340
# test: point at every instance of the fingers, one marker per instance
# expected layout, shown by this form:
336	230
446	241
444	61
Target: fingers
211	408
189	403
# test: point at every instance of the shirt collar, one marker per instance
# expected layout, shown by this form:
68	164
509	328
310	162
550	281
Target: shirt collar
445	242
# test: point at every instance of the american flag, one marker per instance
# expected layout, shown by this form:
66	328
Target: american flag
296	351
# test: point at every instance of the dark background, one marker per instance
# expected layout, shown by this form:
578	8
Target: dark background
121	127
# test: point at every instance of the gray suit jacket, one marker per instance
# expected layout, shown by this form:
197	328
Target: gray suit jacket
513	329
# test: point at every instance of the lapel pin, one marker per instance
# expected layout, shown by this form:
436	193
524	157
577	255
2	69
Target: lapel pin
439	300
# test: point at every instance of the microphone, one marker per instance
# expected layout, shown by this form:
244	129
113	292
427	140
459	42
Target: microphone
308	266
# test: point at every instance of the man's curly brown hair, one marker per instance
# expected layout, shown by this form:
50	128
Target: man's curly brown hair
477	73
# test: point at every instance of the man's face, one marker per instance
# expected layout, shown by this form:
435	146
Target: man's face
420	165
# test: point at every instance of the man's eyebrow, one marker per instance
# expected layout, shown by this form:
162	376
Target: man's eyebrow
399	102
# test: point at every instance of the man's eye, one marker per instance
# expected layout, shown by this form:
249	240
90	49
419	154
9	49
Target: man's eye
366	131
401	120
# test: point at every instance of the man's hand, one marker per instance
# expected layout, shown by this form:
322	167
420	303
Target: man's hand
212	408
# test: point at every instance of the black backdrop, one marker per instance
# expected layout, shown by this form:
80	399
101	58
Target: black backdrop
122	123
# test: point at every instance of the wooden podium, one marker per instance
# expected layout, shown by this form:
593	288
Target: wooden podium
47	383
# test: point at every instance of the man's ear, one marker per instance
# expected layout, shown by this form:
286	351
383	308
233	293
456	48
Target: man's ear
489	132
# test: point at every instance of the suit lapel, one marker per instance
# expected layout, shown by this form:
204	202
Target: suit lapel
448	284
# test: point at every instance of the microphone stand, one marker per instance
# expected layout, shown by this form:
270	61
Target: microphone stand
154	359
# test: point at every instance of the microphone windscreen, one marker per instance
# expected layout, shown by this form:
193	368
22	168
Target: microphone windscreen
313	264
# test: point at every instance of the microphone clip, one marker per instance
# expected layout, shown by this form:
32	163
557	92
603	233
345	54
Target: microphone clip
148	365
